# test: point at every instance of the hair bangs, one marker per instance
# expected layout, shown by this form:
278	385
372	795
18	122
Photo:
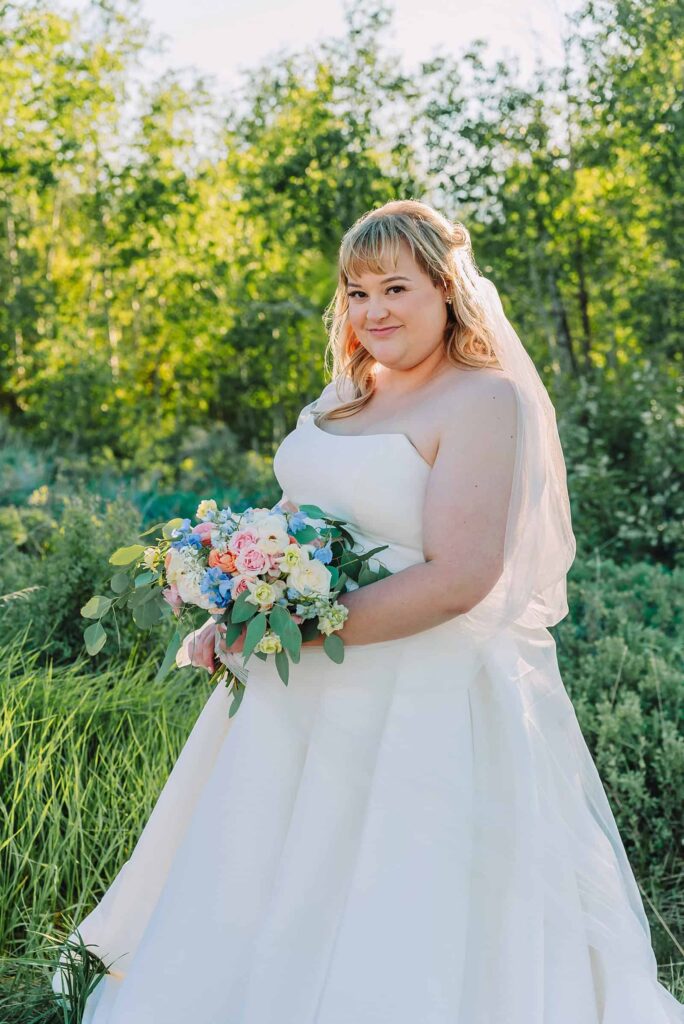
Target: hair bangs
372	247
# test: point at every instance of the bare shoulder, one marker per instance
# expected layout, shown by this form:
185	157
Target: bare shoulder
476	398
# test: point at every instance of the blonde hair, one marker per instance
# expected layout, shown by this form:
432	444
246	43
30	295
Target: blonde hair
443	250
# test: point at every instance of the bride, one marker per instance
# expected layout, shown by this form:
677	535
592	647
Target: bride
417	835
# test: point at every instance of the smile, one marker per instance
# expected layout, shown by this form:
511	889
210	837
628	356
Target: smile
382	331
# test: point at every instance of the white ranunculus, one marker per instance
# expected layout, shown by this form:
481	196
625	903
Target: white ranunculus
311	574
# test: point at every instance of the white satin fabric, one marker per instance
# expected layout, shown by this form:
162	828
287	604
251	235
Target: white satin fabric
392	840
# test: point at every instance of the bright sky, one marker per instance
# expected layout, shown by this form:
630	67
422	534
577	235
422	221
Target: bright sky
219	37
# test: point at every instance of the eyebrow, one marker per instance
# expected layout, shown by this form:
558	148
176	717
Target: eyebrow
394	277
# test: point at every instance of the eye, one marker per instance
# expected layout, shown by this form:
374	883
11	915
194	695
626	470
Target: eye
399	287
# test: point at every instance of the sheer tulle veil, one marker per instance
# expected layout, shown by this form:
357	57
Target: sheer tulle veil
540	544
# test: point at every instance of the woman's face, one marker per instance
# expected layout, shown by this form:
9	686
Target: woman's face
398	316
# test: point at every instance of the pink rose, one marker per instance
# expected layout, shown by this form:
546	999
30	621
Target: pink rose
239	586
172	597
251	559
203	530
241	539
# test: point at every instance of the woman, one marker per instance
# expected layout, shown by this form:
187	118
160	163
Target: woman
418	834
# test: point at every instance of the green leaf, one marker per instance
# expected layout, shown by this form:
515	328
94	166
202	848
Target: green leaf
152	529
169	527
238	693
334	648
313	511
126	556
95	638
283	665
120	582
365	555
306	535
96	607
243	609
233	630
255	631
282	623
366	576
147	615
140	596
351	564
169	657
144	577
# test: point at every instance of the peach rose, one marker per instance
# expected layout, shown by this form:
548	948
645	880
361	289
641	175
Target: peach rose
225	561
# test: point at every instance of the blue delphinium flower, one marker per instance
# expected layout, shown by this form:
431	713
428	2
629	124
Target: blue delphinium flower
218	586
323	554
184	536
297	522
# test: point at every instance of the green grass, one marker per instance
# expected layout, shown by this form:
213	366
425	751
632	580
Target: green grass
84	757
85	749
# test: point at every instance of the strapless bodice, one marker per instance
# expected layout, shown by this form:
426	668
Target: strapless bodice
375	482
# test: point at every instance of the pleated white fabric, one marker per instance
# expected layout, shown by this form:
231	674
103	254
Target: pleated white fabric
392	840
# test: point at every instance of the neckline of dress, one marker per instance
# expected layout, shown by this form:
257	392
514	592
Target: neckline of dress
358	437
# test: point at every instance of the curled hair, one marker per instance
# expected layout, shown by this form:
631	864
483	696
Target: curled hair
443	250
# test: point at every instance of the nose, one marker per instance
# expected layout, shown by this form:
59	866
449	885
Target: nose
376	311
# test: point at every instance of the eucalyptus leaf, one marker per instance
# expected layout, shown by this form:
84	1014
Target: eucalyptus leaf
128	555
242	609
168	528
144	577
334	648
120	582
96	607
255	631
238	693
147	615
95	638
156	526
170	656
282	665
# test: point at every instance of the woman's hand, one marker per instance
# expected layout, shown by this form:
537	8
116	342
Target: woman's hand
200	646
237	646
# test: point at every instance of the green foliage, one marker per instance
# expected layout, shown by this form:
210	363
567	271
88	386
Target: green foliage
623	442
620	654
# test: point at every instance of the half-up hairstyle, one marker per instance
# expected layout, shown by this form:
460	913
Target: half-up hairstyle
443	250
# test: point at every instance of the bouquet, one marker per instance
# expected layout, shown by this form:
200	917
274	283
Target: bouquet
272	575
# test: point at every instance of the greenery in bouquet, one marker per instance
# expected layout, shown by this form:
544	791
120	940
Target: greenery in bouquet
271	576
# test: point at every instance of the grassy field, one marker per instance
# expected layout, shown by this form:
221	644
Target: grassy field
85	754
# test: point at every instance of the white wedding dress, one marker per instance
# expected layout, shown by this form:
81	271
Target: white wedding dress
385	841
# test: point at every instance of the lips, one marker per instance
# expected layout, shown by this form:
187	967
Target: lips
385	330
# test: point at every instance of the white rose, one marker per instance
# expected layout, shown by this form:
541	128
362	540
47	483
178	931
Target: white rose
292	557
270	643
273	536
189	591
310	575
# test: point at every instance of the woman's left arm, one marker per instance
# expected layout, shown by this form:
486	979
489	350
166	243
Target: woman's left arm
464	515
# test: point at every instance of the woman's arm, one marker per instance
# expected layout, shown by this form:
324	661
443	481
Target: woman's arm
464	516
